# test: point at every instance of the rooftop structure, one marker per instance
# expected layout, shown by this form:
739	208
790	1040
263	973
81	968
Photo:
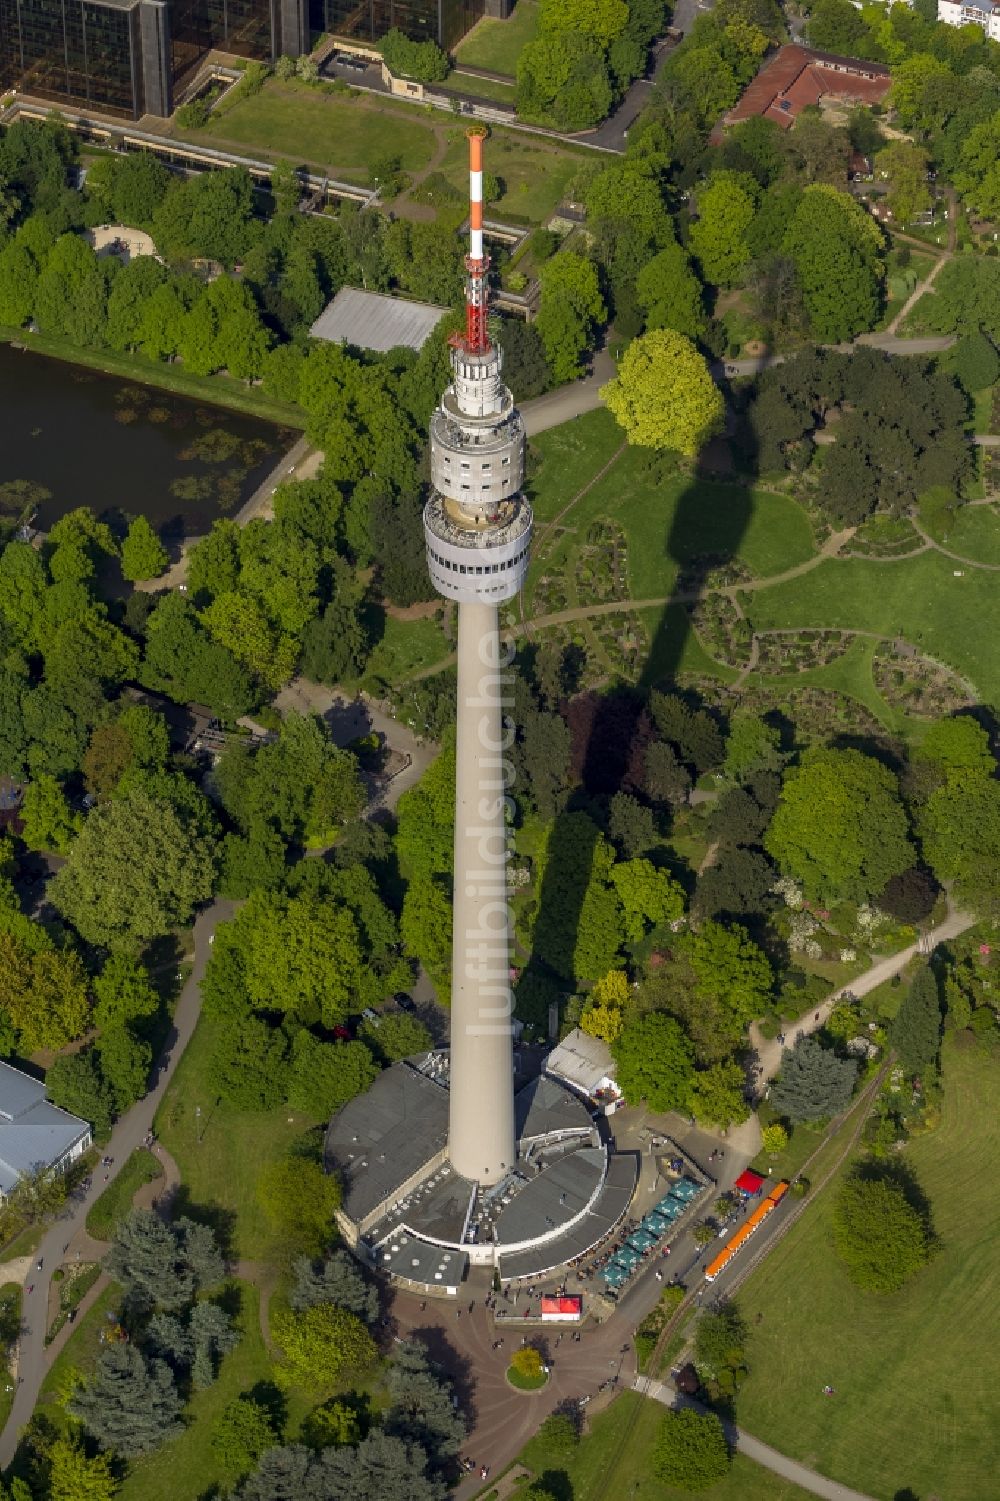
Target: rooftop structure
423	20
983	13
34	1134
796	77
370	320
129	57
586	1065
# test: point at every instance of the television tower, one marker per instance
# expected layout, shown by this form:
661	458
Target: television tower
477	527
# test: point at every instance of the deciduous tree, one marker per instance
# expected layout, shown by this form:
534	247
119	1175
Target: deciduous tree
664	396
320	1344
881	1238
691	1451
143	554
655	1062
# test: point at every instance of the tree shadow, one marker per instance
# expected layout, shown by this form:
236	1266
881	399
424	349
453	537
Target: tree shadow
457	1367
221	1221
273	1400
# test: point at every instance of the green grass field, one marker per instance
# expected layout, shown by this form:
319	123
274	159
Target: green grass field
220	1171
534	171
339	133
916	1374
497	44
470	85
142	1167
614	1460
953	619
405	648
975	534
850	673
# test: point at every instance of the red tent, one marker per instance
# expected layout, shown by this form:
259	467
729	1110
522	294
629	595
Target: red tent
749	1183
561	1308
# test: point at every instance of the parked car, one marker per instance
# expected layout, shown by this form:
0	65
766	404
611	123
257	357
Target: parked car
404	1002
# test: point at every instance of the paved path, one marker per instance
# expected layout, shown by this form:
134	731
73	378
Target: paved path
582	396
769	1050
956	557
762	1454
917	293
129	1133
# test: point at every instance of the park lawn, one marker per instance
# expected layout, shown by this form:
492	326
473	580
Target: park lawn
406	647
219	1172
116	1200
25	1242
471	86
342	133
975	534
82	1348
533	169
918	1369
497	44
614	1459
566	458
953	619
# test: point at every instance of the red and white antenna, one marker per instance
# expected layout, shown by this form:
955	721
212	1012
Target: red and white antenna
477	339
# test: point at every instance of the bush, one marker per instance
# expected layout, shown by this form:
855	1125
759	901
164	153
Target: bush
194	116
691	1451
423	61
880	1237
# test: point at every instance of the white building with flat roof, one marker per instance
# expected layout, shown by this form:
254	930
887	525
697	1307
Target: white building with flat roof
984	13
35	1135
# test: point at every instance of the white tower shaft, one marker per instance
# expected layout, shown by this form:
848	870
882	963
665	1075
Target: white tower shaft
477	526
481	1126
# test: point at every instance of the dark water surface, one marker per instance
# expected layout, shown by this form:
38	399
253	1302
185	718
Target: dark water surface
97	440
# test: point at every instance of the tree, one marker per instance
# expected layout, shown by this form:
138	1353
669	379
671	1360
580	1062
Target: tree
649	897
421	60
915	1032
242	1433
337	1280
123	993
738	881
752	745
129	1405
731	971
75	1083
563	77
631	826
49	823
396	1035
43	993
671	294
571	310
975	362
18	283
664	396
423	1410
905	165
75	1477
719	234
881	1238
959	827
837	248
654	1061
604	1014
138	868
691	1450
578	930
163	1266
323	1076
774	1139
527	1363
300	1201
910	897
559	1435
839	826
143	554
718	1095
321	1343
332	1425
958	744
125	1062
666	780
814	1082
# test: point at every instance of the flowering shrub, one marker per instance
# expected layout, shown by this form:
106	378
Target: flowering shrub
790	892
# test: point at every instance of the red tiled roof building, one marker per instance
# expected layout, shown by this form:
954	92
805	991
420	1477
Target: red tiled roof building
796	77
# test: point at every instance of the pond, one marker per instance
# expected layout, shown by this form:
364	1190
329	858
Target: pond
72	437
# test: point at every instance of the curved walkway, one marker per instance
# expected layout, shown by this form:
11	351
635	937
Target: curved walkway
769	1049
753	1448
130	1132
956	557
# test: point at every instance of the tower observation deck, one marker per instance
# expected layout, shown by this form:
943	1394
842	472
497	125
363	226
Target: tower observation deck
477	527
